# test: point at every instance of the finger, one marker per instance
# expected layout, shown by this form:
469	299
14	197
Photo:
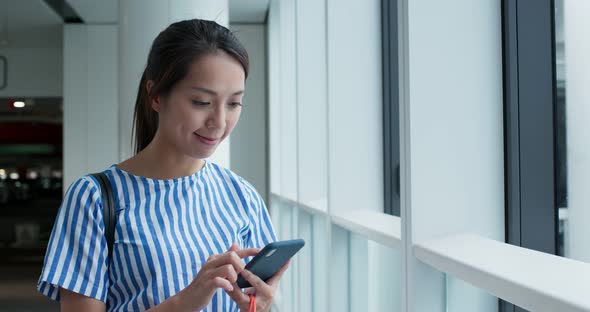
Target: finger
250	291
212	258
238	296
227	272
256	282
249	252
234	247
219	282
230	257
274	280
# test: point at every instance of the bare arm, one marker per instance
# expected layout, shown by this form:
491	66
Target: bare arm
74	302
71	302
220	271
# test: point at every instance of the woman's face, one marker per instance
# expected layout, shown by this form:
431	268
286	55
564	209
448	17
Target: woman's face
202	109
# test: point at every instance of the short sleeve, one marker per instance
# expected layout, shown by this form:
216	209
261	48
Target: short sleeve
76	254
261	231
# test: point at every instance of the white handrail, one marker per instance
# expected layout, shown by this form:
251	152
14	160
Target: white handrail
530	279
312	209
376	226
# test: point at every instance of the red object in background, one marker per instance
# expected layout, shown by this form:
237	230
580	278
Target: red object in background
28	132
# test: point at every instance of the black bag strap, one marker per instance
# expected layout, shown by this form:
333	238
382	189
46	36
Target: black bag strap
108	210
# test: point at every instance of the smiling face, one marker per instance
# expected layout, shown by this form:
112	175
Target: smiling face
202	109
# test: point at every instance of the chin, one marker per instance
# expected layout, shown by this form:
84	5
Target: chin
202	154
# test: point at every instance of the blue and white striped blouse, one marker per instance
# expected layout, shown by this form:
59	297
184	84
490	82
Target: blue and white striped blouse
166	229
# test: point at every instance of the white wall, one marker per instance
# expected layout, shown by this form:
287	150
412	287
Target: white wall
452	139
249	150
139	24
577	80
90	99
33	72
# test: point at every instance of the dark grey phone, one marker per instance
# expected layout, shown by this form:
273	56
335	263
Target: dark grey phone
270	259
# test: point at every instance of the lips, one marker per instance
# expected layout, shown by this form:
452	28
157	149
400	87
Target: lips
207	140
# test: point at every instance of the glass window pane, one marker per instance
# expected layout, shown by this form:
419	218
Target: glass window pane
572	135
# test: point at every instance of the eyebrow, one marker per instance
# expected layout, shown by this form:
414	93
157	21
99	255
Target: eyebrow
205	90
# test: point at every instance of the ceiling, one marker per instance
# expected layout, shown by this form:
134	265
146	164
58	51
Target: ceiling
248	11
33	24
240	11
91	13
29	24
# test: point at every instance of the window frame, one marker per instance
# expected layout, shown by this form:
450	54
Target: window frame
391	149
528	43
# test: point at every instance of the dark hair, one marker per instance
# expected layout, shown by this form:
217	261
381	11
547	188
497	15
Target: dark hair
171	54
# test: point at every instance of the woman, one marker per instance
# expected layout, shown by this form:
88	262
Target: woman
184	225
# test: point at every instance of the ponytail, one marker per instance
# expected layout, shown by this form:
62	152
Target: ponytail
145	118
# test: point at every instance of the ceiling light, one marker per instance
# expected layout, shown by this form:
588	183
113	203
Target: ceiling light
32	175
18	104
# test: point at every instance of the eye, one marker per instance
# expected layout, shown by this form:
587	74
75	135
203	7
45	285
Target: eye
200	103
235	104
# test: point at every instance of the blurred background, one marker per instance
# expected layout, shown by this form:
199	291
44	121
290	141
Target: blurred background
370	128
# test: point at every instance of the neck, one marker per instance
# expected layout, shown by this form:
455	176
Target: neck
160	160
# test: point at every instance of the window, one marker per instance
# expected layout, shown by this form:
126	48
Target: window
529	93
547	158
571	143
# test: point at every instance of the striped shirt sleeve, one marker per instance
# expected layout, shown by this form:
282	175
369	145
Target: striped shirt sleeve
261	230
76	254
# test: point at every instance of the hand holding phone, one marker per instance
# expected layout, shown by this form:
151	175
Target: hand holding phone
270	259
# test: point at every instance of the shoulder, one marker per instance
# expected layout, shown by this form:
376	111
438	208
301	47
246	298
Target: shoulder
241	185
82	200
86	185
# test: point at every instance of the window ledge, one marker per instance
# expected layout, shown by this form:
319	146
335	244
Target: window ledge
312	208
530	279
376	226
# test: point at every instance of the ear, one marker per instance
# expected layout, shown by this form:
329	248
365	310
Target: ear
154	102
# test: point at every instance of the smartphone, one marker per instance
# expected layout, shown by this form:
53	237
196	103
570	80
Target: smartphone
270	259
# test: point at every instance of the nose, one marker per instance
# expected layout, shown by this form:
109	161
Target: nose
216	118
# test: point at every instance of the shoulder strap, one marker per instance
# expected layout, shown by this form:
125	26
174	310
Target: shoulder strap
108	210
